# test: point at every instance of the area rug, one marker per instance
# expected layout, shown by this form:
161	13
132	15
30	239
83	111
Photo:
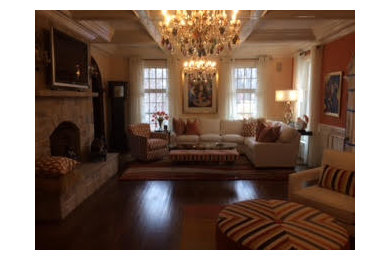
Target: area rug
242	169
199	226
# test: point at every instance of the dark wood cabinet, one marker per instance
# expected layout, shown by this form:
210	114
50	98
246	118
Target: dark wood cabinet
118	95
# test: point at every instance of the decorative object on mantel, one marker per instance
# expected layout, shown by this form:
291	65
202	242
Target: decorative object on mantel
200	33
287	96
159	117
99	150
200	70
333	83
301	123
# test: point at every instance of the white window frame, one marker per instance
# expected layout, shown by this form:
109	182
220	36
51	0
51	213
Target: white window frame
147	91
249	90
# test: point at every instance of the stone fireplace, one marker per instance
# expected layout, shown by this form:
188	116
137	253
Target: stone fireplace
63	123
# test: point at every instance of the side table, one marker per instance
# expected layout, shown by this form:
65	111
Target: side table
303	132
167	132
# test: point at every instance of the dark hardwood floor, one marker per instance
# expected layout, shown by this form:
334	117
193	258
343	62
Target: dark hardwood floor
147	214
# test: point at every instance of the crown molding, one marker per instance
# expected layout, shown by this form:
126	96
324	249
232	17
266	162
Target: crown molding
333	30
101	29
88	30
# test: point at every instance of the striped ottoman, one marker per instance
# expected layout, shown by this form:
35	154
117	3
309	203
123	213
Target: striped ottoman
204	155
277	224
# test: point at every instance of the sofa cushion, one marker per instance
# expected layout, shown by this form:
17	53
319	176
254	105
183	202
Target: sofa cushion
337	204
209	126
54	165
193	127
154	143
269	134
179	126
187	138
249	127
287	134
232	138
338	180
231	127
210	138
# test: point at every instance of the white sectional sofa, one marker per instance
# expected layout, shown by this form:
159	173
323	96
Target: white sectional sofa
282	153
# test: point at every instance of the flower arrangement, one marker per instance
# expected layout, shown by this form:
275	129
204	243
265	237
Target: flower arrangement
159	117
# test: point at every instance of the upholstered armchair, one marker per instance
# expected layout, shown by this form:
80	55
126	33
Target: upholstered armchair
146	145
328	187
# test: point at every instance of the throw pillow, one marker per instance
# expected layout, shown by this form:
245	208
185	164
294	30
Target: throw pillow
54	165
192	127
338	180
249	127
269	134
179	126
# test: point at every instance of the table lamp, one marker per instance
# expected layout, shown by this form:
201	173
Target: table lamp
287	96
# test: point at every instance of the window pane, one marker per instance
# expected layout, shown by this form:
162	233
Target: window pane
248	73
240	73
240	84
159	84
152	73
254	84
152	84
159	73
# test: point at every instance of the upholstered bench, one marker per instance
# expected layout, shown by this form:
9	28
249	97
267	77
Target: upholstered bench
204	155
277	224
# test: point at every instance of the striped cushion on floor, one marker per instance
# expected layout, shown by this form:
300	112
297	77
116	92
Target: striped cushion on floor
277	224
338	180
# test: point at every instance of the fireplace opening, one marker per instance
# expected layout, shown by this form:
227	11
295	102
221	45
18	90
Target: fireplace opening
65	141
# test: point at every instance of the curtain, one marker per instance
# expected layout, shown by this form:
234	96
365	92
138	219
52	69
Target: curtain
262	87
136	90
174	93
350	128
315	150
226	90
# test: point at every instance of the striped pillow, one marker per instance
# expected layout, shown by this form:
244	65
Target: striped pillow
338	180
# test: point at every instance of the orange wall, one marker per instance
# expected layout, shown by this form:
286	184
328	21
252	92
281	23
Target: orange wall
336	57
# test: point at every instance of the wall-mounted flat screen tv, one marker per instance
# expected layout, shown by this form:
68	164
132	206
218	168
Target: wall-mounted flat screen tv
69	61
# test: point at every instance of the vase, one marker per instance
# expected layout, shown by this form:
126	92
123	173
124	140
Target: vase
160	122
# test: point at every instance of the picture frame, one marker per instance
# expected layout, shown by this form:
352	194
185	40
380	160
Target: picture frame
200	97
332	97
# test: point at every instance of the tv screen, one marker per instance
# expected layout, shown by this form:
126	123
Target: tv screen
70	61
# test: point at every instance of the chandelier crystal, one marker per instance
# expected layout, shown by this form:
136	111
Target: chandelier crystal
200	33
198	71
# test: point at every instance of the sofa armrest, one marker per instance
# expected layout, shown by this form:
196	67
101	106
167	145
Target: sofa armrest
299	180
138	145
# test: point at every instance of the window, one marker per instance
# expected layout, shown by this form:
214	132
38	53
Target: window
245	88
155	92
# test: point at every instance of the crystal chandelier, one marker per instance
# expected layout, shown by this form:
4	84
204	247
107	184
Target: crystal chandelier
200	33
200	71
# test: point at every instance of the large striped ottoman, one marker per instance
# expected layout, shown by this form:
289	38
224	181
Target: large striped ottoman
277	224
204	155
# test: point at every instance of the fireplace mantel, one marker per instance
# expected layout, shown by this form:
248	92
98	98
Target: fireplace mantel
64	93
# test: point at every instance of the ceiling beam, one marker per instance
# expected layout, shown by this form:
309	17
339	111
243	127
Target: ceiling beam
151	28
248	27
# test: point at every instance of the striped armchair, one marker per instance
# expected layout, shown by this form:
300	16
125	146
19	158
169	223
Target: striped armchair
146	145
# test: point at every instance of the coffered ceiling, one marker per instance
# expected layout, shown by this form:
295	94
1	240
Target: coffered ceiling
264	32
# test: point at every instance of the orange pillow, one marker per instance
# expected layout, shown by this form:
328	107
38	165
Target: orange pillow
179	126
269	134
54	165
192	127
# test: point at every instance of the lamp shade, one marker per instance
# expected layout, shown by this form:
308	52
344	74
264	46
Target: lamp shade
286	95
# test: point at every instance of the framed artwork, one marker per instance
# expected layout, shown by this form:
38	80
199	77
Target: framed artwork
333	83
200	96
